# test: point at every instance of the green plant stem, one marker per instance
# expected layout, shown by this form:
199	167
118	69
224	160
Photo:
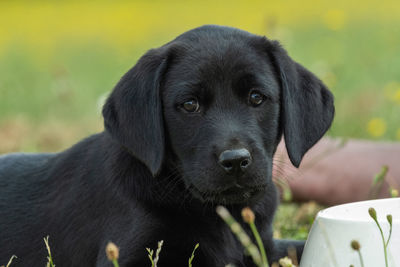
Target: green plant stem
49	258
115	262
240	234
383	241
390	235
378	182
192	257
259	243
11	259
150	255
361	259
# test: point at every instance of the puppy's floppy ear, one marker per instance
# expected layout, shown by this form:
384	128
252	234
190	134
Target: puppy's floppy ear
307	106
133	112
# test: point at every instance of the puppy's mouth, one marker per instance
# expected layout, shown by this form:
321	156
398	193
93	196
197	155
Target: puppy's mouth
235	194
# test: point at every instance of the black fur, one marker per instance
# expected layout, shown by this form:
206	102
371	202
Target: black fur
153	173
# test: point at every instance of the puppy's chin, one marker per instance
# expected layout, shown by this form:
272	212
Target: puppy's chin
232	195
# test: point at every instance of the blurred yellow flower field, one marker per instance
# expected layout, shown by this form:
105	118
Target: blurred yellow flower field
335	19
45	25
376	127
58	58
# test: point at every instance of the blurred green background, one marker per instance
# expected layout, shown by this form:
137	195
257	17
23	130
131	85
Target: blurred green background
59	59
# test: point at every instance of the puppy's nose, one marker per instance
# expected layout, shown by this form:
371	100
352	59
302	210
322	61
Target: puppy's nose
235	161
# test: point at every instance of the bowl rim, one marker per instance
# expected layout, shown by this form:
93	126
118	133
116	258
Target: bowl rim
329	214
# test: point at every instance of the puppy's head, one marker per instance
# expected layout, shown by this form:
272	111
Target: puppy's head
219	98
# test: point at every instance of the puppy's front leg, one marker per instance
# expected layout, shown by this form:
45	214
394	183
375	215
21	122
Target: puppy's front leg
277	248
281	247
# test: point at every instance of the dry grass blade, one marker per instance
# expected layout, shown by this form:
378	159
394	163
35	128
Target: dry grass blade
150	256
10	261
240	234
192	256
50	262
157	256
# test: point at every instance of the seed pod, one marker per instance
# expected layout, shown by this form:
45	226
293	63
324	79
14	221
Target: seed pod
112	251
389	218
248	215
372	213
355	245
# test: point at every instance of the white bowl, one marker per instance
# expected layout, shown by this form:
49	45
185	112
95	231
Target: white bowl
328	243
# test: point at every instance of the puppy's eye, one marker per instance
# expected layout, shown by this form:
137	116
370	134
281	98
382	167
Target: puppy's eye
256	98
191	105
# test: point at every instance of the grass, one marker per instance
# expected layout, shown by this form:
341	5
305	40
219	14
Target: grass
248	245
257	252
190	261
61	73
50	262
155	257
69	86
293	220
10	261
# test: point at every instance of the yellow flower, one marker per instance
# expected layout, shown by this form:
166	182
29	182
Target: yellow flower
335	19
396	96
390	87
392	92
376	127
394	192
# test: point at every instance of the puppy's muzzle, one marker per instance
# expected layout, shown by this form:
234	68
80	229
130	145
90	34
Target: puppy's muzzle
235	162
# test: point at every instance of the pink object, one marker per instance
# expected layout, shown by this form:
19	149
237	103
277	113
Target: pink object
334	172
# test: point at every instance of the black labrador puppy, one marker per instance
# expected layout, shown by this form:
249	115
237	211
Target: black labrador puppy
194	124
